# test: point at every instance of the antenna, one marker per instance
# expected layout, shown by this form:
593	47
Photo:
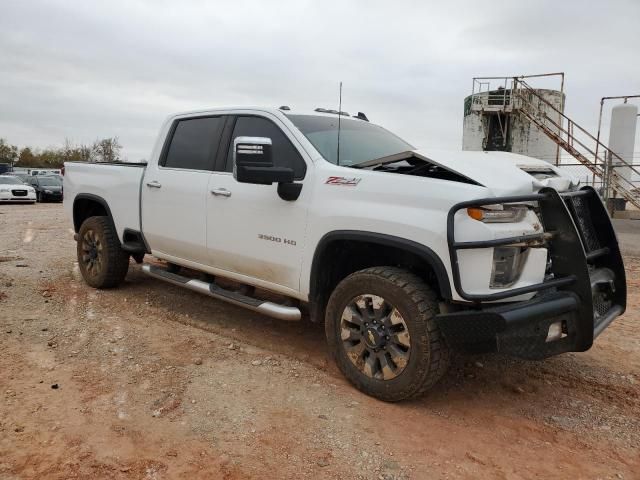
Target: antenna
339	117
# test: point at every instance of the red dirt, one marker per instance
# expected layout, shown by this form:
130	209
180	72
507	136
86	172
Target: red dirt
157	382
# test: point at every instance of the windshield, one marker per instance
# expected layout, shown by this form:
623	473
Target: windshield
49	181
10	181
359	140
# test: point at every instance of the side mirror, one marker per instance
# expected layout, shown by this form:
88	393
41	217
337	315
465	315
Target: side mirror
253	163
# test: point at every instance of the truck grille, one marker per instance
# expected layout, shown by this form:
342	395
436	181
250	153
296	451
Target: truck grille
601	304
582	217
19	193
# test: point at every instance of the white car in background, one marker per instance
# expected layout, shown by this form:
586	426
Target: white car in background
12	189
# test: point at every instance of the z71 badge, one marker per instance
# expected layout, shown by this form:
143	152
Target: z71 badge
345	181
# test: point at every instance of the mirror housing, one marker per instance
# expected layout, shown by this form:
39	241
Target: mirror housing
253	162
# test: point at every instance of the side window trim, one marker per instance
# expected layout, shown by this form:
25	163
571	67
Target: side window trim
282	131
214	150
167	141
225	144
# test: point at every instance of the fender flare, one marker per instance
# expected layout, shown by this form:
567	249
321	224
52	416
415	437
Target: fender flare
103	203
422	251
93	198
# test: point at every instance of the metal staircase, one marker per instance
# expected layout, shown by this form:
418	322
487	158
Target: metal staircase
518	97
584	147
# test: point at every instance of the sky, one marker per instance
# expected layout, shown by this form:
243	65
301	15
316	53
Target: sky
81	69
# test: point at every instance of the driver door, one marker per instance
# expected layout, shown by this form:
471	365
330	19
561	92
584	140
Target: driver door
251	231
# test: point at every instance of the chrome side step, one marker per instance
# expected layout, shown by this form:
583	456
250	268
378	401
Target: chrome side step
271	309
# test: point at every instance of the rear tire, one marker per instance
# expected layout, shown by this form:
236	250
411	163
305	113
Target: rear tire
400	353
102	261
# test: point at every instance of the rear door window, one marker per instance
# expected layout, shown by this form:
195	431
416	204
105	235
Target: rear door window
194	143
283	151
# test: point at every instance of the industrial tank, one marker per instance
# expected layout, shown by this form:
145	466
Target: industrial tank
492	122
622	137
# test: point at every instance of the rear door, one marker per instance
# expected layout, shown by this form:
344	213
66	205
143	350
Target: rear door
251	231
174	191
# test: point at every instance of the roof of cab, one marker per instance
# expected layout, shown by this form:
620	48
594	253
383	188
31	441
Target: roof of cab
272	110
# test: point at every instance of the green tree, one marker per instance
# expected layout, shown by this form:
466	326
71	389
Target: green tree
104	150
27	158
51	157
75	153
107	150
8	153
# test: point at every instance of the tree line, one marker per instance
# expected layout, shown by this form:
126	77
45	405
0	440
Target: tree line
102	150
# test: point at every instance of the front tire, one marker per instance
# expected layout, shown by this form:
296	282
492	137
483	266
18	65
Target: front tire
102	261
381	330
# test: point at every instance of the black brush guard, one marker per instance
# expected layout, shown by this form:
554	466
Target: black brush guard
585	288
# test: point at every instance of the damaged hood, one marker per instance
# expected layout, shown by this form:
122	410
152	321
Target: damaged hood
502	172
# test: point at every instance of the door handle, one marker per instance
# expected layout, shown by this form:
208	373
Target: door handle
154	184
222	192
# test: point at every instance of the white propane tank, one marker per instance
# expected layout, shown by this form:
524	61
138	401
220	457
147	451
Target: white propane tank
622	136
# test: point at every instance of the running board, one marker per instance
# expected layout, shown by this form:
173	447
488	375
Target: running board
271	309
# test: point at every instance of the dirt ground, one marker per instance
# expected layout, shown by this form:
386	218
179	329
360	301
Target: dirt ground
152	381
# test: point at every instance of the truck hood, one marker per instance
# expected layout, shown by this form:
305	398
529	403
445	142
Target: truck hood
502	172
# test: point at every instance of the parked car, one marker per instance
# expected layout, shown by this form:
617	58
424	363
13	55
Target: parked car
13	189
22	176
403	253
44	171
48	188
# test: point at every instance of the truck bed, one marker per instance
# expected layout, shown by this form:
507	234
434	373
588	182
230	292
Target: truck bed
117	183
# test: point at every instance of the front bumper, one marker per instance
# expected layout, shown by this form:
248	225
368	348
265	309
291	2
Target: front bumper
585	289
22	196
53	196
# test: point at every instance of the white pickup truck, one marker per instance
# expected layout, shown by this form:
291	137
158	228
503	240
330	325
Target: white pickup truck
404	254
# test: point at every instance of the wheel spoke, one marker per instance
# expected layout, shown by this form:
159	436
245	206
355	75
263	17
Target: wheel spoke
388	368
352	315
370	366
350	334
355	350
395	318
402	338
398	356
381	308
363	303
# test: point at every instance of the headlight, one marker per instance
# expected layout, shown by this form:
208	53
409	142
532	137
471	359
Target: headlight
4	190
498	213
507	266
